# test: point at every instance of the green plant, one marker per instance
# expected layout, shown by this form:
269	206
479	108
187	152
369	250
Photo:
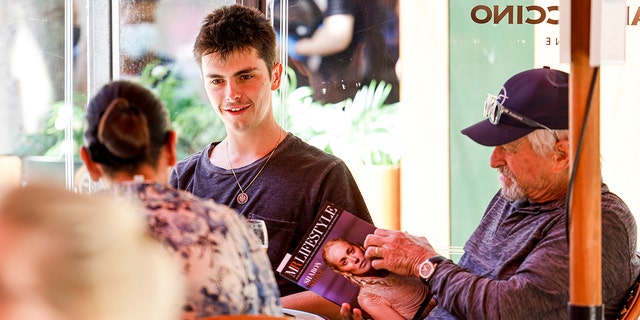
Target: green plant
50	140
192	118
362	130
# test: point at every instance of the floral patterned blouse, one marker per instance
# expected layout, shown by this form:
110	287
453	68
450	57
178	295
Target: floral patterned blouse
226	269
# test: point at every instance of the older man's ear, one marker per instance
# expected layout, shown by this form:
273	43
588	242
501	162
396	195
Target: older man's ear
562	155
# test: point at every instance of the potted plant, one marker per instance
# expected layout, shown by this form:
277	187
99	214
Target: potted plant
361	131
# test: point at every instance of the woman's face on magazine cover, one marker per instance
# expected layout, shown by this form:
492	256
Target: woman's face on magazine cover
348	258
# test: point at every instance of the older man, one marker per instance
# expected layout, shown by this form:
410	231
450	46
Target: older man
516	263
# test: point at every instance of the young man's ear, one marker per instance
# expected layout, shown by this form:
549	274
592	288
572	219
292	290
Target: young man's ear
94	169
276	74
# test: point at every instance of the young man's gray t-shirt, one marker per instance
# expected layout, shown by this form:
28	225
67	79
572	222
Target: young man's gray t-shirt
287	194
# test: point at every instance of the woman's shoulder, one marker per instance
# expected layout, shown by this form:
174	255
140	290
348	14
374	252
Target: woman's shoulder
163	200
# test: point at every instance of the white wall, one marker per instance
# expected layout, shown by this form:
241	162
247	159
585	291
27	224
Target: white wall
424	44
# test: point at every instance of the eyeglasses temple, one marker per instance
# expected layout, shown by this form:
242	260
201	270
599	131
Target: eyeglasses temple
528	121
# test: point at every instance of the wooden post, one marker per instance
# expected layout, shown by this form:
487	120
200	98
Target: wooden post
585	209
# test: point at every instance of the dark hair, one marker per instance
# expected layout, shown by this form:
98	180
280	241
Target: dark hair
231	29
126	126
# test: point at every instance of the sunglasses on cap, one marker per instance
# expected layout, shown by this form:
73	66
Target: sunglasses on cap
493	110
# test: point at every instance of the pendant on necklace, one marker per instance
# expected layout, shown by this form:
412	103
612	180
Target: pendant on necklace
242	198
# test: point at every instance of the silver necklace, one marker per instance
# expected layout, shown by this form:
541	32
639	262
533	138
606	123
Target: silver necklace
243	197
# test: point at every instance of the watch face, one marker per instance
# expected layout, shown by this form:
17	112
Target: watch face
426	269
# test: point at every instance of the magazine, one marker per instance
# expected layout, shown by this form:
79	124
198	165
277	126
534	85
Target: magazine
306	267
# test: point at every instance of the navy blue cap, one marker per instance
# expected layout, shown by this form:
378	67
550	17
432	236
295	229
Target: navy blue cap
540	94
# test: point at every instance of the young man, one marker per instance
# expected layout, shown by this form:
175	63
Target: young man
259	169
516	263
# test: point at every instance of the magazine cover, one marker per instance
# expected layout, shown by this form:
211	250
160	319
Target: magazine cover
306	266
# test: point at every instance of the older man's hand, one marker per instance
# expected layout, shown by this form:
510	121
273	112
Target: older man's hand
397	251
348	314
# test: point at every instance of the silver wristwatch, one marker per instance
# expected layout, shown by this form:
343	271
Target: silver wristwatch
427	268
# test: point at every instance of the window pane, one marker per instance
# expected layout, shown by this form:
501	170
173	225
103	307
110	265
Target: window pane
33	113
339	46
343	91
161	32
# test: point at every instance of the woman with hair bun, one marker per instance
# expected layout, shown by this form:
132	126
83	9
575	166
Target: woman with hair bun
128	142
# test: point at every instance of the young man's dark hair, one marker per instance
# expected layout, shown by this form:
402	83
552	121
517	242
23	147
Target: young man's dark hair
236	28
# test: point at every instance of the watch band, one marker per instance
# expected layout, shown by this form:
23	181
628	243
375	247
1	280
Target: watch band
437	259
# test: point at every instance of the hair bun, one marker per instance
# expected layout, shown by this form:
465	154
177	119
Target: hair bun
123	130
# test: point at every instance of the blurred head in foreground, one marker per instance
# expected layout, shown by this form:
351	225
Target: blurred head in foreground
67	256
